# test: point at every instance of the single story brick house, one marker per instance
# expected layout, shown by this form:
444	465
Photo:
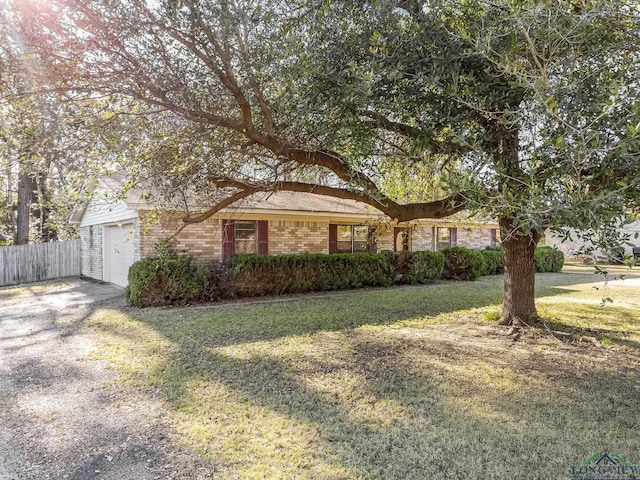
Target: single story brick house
117	232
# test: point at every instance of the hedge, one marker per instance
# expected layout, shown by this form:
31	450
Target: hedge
414	267
494	261
253	275
463	263
548	259
172	278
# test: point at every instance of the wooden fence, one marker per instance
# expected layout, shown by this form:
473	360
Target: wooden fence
39	261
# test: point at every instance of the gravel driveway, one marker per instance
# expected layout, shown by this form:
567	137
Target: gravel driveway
61	415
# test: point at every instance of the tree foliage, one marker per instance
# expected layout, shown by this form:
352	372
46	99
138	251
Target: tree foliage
52	144
527	110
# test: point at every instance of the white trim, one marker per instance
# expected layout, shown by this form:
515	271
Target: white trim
106	254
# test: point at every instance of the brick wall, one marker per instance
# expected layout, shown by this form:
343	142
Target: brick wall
422	238
91	251
384	237
204	240
478	238
298	237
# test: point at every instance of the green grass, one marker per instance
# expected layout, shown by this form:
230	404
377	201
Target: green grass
412	382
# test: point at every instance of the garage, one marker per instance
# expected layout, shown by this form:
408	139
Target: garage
118	253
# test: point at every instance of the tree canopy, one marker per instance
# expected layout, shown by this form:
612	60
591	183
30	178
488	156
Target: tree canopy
528	111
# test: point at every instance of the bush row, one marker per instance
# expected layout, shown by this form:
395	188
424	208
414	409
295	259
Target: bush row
547	259
253	275
172	278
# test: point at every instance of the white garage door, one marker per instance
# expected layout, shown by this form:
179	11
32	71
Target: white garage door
119	253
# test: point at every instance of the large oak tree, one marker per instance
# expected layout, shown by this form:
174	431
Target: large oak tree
526	110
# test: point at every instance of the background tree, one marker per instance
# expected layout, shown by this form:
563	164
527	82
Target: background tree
51	145
525	110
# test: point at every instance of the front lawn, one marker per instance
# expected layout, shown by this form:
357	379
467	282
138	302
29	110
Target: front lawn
411	382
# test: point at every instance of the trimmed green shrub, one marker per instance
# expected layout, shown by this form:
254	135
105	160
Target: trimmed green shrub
425	267
215	282
253	275
548	259
414	267
166	278
494	261
462	263
400	264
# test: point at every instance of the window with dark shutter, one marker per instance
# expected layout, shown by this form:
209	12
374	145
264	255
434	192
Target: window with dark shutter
351	238
228	238
263	237
360	238
333	238
245	236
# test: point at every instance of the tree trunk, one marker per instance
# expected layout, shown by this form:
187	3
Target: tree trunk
26	195
42	210
519	306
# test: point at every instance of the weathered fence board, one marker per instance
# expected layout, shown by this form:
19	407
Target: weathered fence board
39	261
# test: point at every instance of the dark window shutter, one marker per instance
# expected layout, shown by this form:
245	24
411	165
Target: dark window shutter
333	238
454	236
396	231
263	237
373	240
228	238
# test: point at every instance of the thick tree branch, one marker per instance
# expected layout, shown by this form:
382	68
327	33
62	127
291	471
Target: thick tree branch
436	209
435	146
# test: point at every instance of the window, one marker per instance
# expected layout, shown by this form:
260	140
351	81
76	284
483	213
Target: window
246	236
350	239
401	239
446	237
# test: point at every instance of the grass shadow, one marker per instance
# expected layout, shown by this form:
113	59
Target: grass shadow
372	385
388	403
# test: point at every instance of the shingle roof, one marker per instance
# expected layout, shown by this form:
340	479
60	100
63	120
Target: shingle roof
303	202
279	200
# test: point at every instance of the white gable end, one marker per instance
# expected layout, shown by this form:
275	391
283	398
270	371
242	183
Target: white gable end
104	207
